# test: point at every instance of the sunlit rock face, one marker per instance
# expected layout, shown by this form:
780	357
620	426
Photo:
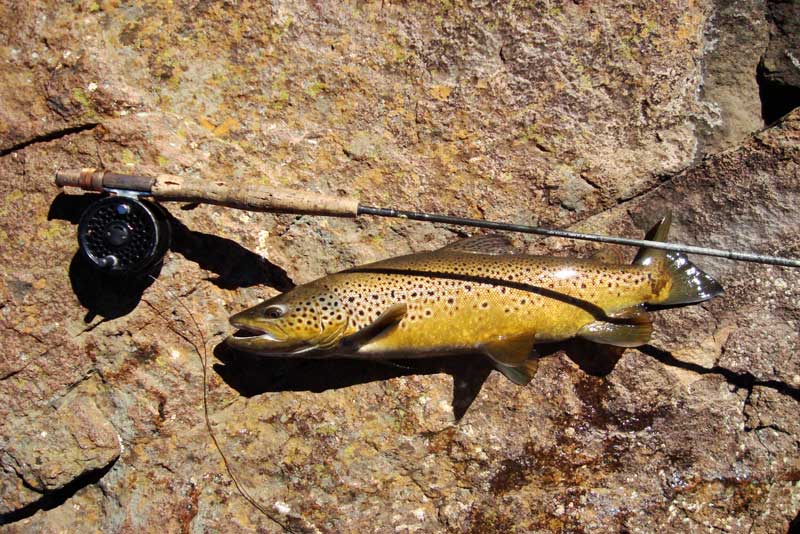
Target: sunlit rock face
576	114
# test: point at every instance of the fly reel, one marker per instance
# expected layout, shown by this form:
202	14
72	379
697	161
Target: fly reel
123	235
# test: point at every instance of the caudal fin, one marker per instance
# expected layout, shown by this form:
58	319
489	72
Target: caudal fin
690	285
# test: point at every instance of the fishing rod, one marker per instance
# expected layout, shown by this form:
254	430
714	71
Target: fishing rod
122	233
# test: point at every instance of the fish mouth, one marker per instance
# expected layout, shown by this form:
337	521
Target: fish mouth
255	338
249	333
258	340
266	344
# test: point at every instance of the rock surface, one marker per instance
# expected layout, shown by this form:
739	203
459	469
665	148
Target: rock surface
565	114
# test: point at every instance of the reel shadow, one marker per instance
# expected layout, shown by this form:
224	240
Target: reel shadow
103	295
252	375
111	297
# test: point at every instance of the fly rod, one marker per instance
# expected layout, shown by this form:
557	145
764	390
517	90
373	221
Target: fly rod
166	187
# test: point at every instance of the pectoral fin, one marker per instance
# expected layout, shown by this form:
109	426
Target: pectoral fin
511	357
386	320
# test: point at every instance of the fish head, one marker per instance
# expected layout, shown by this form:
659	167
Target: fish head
302	322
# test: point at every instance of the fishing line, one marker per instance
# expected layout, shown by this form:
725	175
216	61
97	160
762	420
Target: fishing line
203	356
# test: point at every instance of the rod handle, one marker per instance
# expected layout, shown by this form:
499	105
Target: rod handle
168	187
251	197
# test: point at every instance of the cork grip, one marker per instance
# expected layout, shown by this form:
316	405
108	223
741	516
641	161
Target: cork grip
251	197
246	197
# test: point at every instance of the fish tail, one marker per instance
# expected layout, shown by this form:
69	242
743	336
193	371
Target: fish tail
689	284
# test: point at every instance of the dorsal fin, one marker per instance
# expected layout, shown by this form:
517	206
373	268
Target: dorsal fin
493	244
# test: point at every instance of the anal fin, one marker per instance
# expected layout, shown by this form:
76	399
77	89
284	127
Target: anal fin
633	315
520	374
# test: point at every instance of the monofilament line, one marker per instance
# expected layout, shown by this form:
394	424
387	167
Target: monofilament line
201	351
494	225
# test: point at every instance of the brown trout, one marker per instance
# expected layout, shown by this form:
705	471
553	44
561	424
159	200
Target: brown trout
474	295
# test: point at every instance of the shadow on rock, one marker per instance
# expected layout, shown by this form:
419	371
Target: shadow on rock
111	297
252	375
103	295
234	265
593	359
70	207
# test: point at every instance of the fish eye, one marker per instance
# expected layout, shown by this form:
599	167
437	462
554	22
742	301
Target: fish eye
274	312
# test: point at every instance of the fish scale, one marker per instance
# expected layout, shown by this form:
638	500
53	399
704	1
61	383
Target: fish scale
475	295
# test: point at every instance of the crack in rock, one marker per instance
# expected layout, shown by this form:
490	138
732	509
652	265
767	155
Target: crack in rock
56	498
740	380
47	137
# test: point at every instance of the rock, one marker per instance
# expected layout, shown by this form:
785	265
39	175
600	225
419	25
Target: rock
779	70
598	118
44	451
735	36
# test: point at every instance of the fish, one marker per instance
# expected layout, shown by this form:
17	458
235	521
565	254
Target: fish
476	295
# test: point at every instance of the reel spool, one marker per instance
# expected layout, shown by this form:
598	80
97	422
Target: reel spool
123	235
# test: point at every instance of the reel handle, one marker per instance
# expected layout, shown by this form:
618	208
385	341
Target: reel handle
167	187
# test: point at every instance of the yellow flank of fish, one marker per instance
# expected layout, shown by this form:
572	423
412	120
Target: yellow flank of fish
464	300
